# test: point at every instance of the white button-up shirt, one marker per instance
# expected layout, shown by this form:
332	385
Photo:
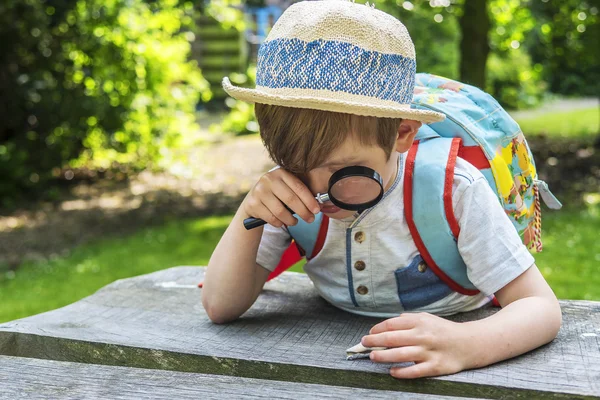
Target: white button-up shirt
370	265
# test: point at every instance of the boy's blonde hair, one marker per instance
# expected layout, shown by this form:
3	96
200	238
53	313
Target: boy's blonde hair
301	139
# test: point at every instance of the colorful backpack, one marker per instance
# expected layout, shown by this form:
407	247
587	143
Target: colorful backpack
476	129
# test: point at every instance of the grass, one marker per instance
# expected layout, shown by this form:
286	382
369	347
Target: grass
569	262
40	286
583	124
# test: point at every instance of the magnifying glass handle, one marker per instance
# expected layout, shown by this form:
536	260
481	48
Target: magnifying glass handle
251	223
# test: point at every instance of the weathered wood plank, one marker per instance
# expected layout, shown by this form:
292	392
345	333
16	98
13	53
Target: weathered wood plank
46	379
290	334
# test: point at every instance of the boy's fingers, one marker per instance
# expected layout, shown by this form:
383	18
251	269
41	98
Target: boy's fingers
276	208
266	215
419	370
291	199
302	192
398	354
392	324
390	339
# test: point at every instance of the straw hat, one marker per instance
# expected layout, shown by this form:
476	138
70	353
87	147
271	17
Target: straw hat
337	55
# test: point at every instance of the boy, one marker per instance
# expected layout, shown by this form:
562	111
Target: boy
334	85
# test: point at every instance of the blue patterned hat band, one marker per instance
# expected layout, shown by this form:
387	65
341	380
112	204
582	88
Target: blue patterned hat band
337	55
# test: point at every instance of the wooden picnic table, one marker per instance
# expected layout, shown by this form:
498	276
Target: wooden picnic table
149	337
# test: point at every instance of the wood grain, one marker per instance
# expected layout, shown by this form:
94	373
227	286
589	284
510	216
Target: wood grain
46	379
290	334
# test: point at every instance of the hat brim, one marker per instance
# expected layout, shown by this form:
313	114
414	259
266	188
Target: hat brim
348	107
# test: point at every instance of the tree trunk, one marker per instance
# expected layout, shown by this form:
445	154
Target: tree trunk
474	46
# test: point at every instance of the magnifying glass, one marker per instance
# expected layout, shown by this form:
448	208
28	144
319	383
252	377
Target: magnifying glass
353	188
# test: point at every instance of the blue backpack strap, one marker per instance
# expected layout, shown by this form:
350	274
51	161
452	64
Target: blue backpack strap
310	237
428	209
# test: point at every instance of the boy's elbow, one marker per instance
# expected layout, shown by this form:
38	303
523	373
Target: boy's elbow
218	317
217	314
553	318
557	318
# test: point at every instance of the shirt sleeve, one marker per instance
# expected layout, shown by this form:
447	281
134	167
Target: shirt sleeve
273	243
488	241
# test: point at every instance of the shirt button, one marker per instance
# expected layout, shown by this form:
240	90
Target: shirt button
359	237
360	265
362	289
422	267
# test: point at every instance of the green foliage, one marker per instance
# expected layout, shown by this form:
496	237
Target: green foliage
434	31
228	13
511	77
92	83
512	80
511	23
567	36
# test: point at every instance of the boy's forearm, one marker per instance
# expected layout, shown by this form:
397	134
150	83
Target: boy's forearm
521	326
229	283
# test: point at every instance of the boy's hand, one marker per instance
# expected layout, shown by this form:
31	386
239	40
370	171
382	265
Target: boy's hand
436	345
274	189
530	317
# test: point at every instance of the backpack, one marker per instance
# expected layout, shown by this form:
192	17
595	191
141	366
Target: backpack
476	129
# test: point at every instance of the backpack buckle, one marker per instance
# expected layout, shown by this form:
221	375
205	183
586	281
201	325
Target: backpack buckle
549	199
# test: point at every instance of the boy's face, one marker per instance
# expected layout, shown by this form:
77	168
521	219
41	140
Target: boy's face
350	153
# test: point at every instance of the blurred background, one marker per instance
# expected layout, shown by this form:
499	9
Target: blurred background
120	154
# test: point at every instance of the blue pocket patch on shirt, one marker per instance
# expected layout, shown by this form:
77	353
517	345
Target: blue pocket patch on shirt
419	286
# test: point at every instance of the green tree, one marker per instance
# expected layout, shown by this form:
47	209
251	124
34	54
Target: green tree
91	83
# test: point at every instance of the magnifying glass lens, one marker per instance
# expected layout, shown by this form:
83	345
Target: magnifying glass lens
355	190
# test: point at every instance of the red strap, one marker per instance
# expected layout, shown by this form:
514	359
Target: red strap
408	210
495	302
475	156
448	181
290	257
294	252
